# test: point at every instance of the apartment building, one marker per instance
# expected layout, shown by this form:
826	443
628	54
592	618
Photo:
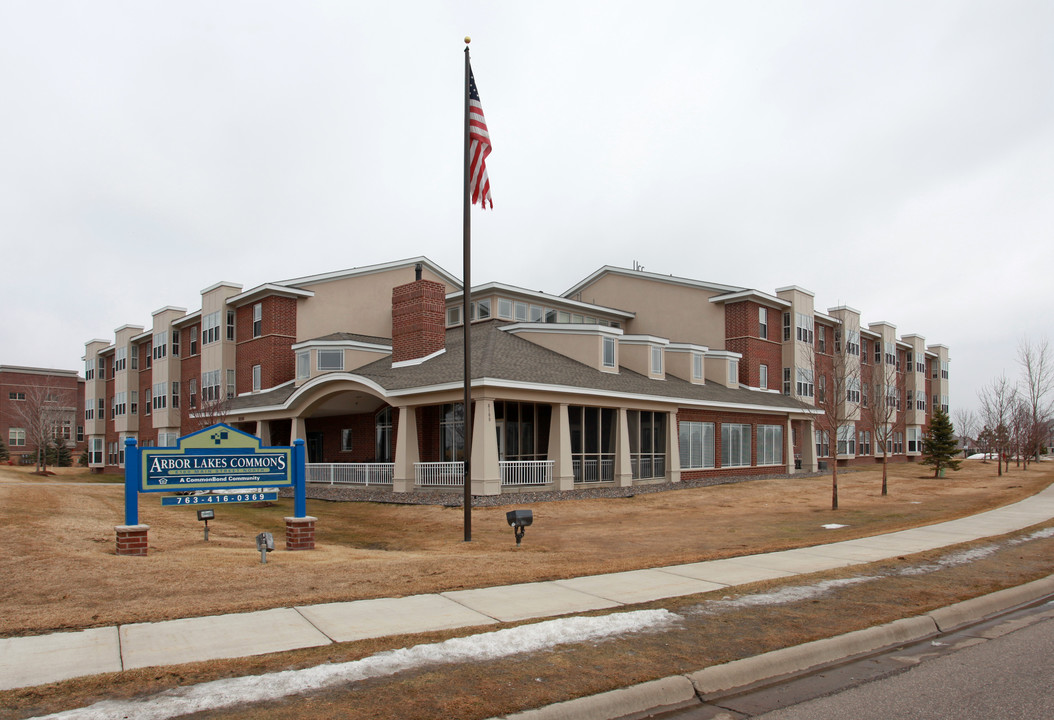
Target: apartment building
40	404
627	378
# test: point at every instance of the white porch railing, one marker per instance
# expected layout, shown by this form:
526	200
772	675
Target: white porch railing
351	473
594	469
648	466
526	472
439	474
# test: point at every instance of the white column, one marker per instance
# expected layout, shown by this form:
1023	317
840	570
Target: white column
623	461
788	445
407	454
809	462
486	477
297	429
560	448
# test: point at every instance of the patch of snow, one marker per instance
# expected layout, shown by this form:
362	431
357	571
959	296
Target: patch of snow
962	557
833	526
1037	535
271	686
781	596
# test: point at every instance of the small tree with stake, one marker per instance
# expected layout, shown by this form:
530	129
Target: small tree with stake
939	447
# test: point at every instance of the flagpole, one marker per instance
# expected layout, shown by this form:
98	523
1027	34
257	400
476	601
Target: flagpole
466	317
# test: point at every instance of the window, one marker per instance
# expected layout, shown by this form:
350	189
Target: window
210	386
133	361
133	406
175	395
160	345
864	446
733	372
920	402
101	412
805	328
898	443
763	372
175	342
210	328
193	340
891	353
231	392
770	444
453	315
944	369
452	432
192	392
257	320
763	323
821	389
160	396
786	326
80	433
846	440
167	439
852	342
697	366
257	378
89	369
346	440
303	364
878	352
329	360
696	443
864	395
805	382
230	325
852	390
656	360
16	396
505	308
536	314
609	352
521	311
914	439
382	425
89	409
863	351
102	369
735	445
120	361
148	356
823	444
16	437
821	339
480	309
786	381
113	406
95	451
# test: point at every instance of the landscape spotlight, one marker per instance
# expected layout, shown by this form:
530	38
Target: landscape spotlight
519	520
265	544
206	515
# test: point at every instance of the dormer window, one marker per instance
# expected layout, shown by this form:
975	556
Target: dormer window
656	360
329	360
609	352
697	366
733	372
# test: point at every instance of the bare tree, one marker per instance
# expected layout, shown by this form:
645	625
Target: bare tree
200	412
997	405
1037	388
966	426
880	412
46	407
838	397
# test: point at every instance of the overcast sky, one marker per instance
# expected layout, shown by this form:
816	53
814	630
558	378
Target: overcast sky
897	157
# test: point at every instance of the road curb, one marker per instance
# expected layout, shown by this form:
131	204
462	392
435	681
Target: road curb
667	692
716	681
719	679
972	611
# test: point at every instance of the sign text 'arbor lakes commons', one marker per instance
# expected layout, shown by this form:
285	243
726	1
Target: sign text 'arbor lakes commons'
217	458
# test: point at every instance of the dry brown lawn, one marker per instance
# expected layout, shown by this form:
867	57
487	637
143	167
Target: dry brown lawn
60	571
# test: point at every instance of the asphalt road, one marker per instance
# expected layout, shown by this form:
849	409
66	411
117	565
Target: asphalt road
999	670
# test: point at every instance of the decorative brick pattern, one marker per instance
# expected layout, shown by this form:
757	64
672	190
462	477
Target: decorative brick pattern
132	539
300	533
418	320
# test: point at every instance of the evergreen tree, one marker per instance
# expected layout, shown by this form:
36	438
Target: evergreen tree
63	456
939	447
4	456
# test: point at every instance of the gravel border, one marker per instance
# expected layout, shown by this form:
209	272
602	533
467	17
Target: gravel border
455	498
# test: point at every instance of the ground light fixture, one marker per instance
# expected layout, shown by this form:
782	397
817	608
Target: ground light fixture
519	520
206	515
265	544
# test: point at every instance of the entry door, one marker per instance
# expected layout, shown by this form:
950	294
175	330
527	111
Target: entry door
314	447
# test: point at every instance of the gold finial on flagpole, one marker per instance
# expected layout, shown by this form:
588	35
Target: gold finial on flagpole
467	39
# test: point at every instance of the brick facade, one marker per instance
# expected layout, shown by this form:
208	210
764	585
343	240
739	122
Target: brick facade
271	349
31	384
743	335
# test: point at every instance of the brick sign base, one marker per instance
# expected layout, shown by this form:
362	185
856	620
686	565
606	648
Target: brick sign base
300	533
131	539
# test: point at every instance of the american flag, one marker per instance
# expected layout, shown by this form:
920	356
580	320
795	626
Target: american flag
479	147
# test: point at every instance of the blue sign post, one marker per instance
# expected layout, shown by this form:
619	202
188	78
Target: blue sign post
219	457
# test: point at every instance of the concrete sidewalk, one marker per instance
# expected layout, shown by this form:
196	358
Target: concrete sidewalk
41	659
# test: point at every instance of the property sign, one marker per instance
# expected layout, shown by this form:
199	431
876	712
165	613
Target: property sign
218	457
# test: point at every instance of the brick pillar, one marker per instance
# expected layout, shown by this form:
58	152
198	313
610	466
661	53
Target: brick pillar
300	533
131	539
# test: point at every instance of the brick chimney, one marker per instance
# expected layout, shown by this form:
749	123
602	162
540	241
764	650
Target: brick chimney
418	320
